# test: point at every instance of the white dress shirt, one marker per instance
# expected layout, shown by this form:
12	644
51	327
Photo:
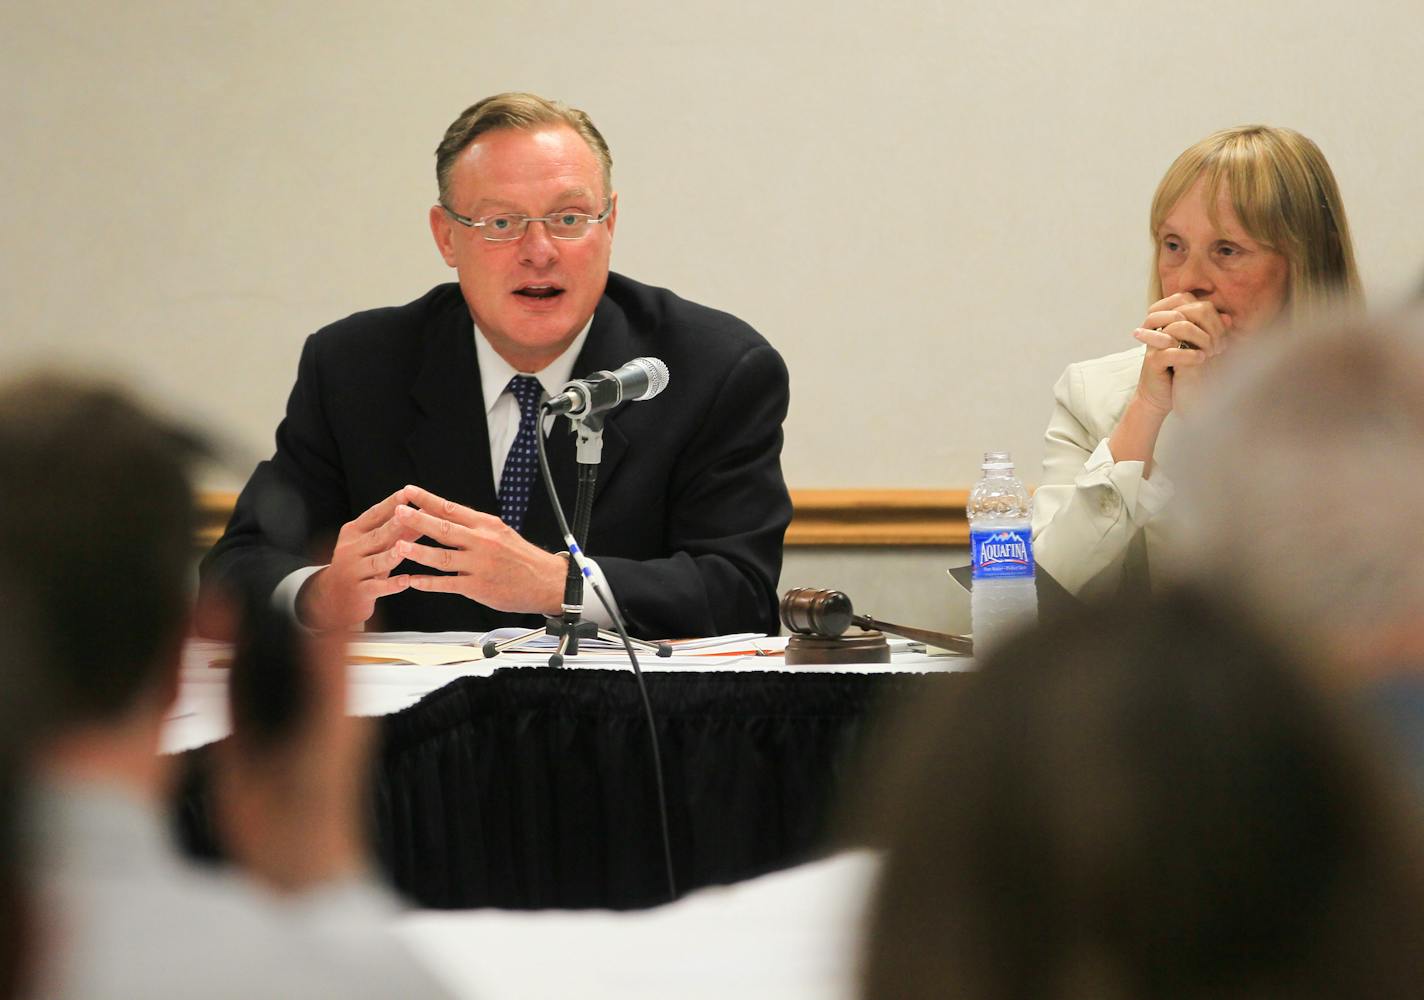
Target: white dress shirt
501	408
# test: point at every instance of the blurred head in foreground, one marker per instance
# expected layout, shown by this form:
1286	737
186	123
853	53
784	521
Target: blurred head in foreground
1155	804
96	522
96	526
1302	492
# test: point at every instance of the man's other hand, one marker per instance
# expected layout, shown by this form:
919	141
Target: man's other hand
344	594
489	561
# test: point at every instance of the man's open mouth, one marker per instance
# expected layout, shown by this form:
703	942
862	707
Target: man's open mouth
539	291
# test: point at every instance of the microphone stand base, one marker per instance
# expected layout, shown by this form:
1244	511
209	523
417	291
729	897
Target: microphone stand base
570	628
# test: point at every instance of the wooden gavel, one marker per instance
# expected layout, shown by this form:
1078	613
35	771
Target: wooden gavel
828	613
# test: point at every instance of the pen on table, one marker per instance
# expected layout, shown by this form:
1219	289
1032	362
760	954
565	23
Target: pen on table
754	651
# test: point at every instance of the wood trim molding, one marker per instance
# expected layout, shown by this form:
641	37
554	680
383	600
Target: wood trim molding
878	517
822	517
214	509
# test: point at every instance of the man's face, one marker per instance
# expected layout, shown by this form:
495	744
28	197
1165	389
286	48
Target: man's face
530	297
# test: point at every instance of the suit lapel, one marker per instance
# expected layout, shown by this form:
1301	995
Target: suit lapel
449	443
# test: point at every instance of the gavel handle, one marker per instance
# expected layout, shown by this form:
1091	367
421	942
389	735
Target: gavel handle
953	643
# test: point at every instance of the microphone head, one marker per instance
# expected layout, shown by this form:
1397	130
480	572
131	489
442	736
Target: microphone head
657	373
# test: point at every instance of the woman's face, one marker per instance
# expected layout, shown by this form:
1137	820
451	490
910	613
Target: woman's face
1245	281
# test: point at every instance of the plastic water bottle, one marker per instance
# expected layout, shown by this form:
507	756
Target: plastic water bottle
1002	600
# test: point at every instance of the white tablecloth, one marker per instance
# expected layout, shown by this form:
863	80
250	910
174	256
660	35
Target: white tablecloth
791	935
200	714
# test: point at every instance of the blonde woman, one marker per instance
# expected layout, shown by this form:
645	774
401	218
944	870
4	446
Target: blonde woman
1249	230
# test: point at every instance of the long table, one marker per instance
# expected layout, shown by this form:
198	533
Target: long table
505	783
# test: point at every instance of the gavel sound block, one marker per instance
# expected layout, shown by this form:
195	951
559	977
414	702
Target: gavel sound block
817	620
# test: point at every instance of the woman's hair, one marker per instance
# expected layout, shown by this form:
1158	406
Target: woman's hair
1143	802
1286	197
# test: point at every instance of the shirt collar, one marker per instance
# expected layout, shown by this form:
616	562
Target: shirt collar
96	828
495	372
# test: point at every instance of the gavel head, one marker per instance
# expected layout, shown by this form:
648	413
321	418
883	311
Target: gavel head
809	611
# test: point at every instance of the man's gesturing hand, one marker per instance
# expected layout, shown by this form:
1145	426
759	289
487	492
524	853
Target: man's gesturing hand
344	594
290	806
491	563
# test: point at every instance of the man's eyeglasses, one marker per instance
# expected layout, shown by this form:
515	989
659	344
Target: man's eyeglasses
509	227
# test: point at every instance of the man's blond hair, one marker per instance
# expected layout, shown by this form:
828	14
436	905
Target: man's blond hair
516	110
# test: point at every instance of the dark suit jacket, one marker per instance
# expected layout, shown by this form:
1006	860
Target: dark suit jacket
690	509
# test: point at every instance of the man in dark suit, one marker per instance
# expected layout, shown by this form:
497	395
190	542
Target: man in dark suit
402	471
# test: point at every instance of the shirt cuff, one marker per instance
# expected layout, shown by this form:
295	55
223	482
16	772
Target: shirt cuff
594	611
1143	498
284	598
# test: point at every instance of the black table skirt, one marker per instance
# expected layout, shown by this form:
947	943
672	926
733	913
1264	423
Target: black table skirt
534	787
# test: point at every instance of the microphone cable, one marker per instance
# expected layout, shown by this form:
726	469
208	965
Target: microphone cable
594	576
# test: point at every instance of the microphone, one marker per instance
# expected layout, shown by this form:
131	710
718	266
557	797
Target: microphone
641	378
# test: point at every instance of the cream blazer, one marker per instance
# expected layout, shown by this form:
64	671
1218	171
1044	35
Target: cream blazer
1096	519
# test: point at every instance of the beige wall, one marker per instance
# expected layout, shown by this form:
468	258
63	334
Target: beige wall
930	208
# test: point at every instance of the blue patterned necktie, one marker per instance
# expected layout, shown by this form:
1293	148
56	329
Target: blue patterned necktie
521	466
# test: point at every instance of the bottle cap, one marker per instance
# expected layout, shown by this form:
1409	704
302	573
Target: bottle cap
997	460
